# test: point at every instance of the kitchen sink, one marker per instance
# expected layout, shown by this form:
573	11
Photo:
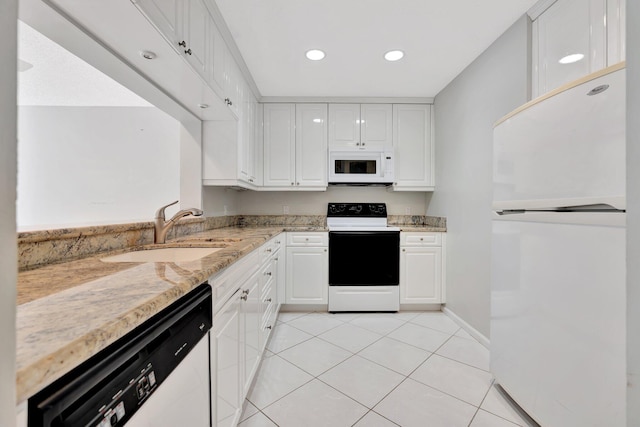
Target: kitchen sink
173	254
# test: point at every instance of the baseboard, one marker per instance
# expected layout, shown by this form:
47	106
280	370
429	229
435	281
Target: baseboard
467	327
303	307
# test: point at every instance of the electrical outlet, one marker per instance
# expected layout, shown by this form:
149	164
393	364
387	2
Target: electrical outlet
407	210
285	209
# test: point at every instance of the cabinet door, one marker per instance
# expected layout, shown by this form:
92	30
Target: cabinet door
616	31
167	17
375	126
197	28
233	83
413	146
279	144
246	148
251	315
344	125
420	275
311	145
568	27
218	53
226	405
307	275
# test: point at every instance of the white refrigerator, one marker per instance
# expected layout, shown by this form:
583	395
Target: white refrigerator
558	254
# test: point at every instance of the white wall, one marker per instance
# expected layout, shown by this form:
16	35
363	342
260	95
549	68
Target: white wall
494	84
8	246
315	203
80	165
219	201
633	214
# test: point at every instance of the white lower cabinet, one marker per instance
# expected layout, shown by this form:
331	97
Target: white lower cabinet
250	316
241	327
225	354
307	278
422	268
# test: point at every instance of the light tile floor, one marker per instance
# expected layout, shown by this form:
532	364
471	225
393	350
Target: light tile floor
375	369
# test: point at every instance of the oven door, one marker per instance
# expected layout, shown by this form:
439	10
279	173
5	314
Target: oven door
364	258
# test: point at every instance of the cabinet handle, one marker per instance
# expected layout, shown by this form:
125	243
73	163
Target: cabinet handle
325	250
421	239
404	250
292	183
269	250
182	43
245	292
230	103
361	144
188	51
268	327
297	183
275	259
267	273
267	300
243	297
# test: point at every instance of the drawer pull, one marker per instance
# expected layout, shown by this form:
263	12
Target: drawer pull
244	297
268	327
267	273
267	300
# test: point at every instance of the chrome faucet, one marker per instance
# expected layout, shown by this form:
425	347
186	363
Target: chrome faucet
162	227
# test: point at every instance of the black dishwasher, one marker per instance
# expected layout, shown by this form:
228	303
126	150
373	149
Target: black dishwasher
110	387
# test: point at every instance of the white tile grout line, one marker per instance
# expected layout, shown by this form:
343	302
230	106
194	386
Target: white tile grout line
354	354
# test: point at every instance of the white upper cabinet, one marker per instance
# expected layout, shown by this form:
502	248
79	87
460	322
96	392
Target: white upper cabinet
190	29
360	126
295	146
187	25
344	125
375	126
197	37
414	157
218	55
311	145
279	145
574	38
167	17
233	84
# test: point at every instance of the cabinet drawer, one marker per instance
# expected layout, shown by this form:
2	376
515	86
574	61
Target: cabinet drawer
308	239
225	283
420	239
270	248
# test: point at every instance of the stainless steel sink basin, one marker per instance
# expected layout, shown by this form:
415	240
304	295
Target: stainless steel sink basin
162	255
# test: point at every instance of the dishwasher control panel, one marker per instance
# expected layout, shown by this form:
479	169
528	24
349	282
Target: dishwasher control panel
124	403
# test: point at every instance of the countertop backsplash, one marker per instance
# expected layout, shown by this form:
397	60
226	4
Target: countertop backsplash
38	248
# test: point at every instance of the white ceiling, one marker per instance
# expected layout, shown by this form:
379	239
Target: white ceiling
439	37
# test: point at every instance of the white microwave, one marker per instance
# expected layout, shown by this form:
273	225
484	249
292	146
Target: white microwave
361	167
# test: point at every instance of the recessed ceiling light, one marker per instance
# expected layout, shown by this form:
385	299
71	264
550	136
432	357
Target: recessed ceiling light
570	59
393	55
315	54
146	54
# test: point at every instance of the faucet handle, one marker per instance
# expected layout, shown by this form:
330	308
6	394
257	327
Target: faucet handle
160	212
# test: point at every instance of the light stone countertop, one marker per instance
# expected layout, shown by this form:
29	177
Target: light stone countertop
68	312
